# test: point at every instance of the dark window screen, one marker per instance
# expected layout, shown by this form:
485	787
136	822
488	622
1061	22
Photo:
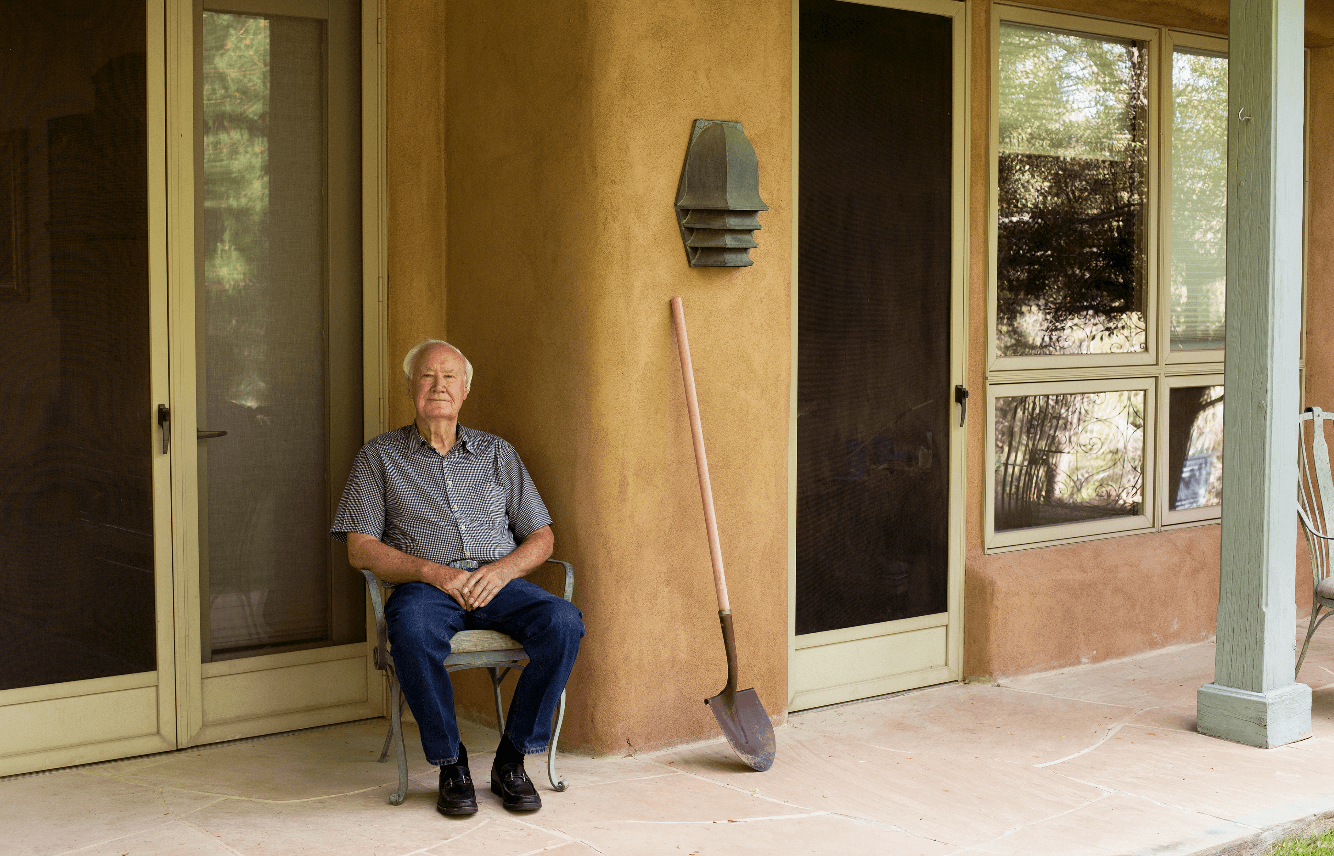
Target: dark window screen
76	431
874	394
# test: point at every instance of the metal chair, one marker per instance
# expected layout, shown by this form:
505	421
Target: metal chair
470	649
1315	507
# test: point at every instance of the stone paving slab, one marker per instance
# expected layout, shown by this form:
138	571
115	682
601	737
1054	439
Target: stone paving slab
1101	759
946	798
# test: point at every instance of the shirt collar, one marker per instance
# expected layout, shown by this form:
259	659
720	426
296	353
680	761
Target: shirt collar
414	441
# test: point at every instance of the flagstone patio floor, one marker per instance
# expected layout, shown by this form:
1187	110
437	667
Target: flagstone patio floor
1095	759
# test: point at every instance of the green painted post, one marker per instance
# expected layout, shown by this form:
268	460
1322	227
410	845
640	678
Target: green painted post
1254	698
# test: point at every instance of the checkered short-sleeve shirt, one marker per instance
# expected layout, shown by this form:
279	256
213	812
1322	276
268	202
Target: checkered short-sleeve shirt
472	503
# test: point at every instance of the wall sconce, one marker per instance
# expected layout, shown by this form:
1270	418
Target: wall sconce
718	197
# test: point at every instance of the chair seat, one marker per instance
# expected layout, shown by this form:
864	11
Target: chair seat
1325	588
476	641
497	652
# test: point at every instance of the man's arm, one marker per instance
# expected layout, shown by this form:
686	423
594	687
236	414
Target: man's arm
483	583
395	566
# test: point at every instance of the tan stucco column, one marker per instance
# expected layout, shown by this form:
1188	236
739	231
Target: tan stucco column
566	127
1253	698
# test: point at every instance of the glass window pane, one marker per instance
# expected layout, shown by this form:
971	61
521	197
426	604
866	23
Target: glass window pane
1199	199
76	439
1070	457
267	331
1072	188
1195	447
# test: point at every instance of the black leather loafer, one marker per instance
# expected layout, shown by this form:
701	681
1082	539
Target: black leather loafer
514	788
456	792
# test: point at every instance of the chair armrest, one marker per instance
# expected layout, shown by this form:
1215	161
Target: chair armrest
569	577
1310	530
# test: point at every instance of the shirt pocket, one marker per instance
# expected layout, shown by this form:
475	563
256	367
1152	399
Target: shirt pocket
493	505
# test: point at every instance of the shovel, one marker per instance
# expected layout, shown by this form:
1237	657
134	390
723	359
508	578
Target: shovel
740	714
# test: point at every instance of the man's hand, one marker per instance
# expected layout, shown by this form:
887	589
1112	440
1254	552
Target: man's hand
451	581
484	584
470	590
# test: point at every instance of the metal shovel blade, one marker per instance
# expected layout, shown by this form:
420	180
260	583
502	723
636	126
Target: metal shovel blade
746	726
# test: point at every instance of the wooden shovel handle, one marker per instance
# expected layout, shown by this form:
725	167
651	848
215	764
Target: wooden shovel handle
701	460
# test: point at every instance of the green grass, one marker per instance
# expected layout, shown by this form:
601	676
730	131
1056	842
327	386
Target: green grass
1319	845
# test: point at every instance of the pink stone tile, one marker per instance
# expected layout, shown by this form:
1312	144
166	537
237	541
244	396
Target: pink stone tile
364	825
675	798
972	721
947	798
1115	825
170	839
1210	776
1163	678
301	765
1175	718
788	836
65	810
504	836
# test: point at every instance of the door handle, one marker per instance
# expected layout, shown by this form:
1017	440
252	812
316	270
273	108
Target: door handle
202	434
164	424
961	397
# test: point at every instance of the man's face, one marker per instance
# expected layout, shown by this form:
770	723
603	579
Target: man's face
439	384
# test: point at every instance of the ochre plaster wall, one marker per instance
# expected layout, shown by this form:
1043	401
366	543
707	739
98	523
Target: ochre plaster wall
560	130
414	35
566	128
1057	606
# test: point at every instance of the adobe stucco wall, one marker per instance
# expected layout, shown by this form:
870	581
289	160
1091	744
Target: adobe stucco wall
566	128
414	32
1047	608
559	130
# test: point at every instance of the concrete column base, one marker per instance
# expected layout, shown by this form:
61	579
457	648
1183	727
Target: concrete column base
1257	719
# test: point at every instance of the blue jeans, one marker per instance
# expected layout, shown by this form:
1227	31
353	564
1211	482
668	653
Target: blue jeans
422	620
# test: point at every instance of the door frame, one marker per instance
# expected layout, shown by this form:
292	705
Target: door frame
243	682
80	722
869	640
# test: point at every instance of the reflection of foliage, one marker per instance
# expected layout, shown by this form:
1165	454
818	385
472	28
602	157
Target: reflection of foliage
1199	199
236	98
1072	185
1062	458
1195	446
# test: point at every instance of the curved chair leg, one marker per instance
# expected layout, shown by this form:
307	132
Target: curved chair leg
496	678
389	735
558	784
396	734
1310	631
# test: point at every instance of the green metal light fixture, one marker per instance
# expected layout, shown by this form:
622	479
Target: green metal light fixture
718	197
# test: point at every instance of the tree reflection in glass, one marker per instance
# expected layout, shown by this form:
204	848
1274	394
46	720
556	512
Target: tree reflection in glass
236	193
1072	185
1068	457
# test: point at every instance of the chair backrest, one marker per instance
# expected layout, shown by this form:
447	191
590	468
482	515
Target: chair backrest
1315	487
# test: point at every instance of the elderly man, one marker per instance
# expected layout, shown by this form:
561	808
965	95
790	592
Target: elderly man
450	514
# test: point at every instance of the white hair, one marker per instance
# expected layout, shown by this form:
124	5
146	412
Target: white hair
410	362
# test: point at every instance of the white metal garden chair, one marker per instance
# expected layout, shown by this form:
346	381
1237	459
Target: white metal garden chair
469	649
1315	506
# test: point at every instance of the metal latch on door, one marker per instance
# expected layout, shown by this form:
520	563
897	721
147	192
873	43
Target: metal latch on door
164	423
961	398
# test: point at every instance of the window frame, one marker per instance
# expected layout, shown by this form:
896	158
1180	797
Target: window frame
1166	515
1059	533
1156	370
